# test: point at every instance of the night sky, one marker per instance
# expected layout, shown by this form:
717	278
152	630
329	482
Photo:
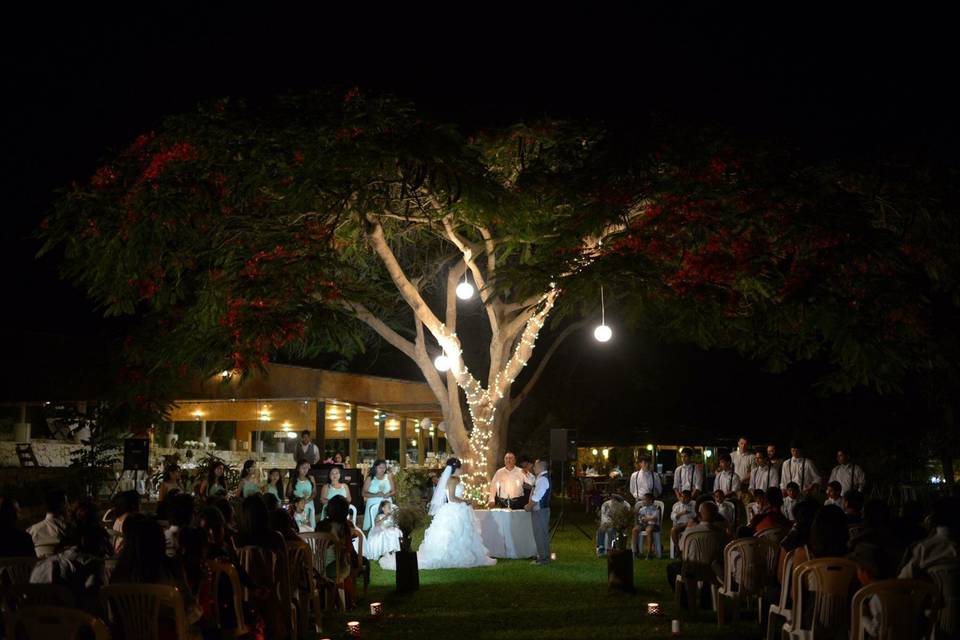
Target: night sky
841	85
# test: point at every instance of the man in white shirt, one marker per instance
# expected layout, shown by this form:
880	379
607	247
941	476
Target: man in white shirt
644	481
773	456
687	476
306	451
49	532
539	506
506	487
743	460
800	470
764	474
726	480
940	548
849	475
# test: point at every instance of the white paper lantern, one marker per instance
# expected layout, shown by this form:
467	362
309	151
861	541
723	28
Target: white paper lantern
603	333
426	423
442	362
442	426
464	290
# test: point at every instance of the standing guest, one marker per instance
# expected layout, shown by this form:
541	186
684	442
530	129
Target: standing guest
743	460
726	480
339	459
773	456
687	477
249	479
648	521
333	487
529	479
791	499
726	509
171	481
539	505
606	531
834	493
48	533
800	470
304	487
306	451
506	487
849	475
14	543
215	484
682	514
765	475
378	486
644	481
274	484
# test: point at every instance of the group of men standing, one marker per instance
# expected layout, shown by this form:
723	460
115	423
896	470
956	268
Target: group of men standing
745	469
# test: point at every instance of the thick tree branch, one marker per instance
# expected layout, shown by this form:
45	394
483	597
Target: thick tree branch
426	367
469	251
363	314
571	328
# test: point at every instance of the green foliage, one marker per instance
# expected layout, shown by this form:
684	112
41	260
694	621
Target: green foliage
208	460
103	453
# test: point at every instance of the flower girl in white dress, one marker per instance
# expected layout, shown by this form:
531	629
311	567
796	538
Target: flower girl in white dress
384	536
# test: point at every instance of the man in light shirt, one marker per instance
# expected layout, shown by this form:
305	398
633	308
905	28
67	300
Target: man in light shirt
48	533
743	461
764	474
644	481
506	487
687	477
726	480
800	470
849	475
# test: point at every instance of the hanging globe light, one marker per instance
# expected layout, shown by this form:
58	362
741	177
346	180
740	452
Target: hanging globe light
464	290
442	362
603	333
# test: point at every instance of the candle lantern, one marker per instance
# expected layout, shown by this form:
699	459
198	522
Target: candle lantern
675	627
354	629
376	610
653	608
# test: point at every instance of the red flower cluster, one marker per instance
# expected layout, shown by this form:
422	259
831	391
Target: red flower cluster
103	177
180	152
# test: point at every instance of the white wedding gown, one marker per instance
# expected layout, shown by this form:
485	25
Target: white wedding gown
452	541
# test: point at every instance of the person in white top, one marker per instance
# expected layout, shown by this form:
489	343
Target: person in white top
49	532
800	470
743	460
764	474
506	487
726	480
682	515
849	475
687	477
644	481
940	548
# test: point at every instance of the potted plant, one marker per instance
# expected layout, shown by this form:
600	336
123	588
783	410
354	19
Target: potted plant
409	515
619	558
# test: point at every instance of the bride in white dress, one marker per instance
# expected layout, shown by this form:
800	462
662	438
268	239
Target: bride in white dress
453	538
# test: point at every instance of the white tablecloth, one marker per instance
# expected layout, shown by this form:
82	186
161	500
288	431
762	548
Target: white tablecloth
507	533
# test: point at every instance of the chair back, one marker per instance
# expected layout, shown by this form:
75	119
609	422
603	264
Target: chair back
225	575
16	570
134	610
823	586
352	513
774	533
661	506
18	596
300	561
786	586
907	609
747	564
321	543
40	623
946	576
701	549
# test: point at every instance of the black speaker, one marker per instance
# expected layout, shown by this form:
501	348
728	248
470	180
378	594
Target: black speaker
563	445
136	454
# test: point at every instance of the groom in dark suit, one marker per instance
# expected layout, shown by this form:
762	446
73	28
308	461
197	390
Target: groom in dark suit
539	508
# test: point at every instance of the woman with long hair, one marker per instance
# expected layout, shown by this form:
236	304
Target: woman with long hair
249	482
275	484
304	487
171	480
333	487
215	484
378	487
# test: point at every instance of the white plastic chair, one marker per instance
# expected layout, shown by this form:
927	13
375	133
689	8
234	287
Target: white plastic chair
40	623
783	609
908	609
136	609
747	573
700	551
946	576
822	585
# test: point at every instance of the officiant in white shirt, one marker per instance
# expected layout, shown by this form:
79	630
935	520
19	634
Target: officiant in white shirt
506	487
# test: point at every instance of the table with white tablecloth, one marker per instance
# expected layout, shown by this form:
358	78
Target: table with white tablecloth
507	533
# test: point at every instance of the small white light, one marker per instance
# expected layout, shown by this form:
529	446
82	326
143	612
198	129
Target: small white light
606	453
464	290
603	333
649	447
291	435
593	451
442	362
708	453
224	374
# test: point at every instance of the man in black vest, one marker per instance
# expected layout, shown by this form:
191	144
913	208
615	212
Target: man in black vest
539	508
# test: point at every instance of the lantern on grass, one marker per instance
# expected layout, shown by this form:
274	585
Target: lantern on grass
353	628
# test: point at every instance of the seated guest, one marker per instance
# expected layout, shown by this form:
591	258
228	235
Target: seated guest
868	561
790	501
78	566
302	516
14	543
225	507
877	533
219	546
180	514
756	504
834	493
273	502
941	546
853	507
648	521
338	523
681	515
828	534
709	521
48	533
384	537
770	516
255	531
124	504
606	532
799	536
283	523
726	510
195	559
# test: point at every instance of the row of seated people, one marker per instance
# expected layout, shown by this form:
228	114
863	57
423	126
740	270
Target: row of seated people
178	546
872	546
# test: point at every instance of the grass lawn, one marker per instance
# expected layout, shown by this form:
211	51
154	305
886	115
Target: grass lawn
567	599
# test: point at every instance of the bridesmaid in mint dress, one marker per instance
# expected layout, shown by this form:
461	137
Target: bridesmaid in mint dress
333	487
275	484
248	479
303	487
215	484
378	486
